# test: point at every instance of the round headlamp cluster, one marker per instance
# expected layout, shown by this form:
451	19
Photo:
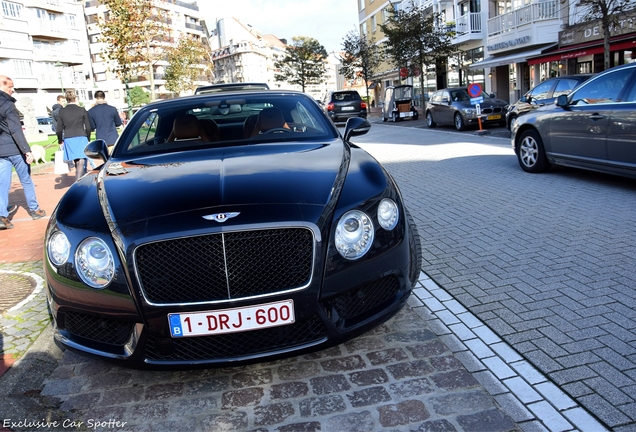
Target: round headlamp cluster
94	261
355	231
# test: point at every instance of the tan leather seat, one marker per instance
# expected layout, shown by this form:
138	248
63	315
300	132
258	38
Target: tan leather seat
187	127
269	118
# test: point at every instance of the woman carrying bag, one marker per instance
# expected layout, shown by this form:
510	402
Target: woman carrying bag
74	130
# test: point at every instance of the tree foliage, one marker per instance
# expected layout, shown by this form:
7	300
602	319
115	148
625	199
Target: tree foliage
134	33
187	62
303	63
416	38
138	96
360	58
610	13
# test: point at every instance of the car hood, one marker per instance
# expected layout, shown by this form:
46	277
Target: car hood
192	184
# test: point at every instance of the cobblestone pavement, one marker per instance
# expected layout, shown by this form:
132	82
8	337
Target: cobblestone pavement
548	262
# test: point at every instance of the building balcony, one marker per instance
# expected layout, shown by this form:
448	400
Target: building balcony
50	5
48	31
468	27
530	14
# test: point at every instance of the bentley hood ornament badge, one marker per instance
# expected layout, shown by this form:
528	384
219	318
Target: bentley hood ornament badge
221	217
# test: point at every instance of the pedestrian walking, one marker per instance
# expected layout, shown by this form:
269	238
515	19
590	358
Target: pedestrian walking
14	153
55	111
74	132
105	119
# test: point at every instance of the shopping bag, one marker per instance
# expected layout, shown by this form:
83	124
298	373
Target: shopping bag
60	167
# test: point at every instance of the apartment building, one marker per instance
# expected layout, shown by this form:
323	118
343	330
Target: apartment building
181	18
507	46
241	53
44	49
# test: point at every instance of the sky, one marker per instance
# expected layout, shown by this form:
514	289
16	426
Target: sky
327	21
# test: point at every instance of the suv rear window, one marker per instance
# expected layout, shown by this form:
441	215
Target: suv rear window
345	96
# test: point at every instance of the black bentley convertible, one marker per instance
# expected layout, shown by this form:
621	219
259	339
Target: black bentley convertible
228	228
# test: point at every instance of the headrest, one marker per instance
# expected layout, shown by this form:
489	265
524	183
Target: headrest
270	118
186	126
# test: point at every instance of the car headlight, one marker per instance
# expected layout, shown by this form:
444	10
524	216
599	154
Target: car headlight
94	262
354	234
469	111
388	214
58	248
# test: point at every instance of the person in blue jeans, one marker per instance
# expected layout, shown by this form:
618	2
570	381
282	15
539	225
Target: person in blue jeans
14	153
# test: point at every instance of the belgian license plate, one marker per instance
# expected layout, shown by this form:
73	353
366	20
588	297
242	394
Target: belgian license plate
494	117
232	320
347	108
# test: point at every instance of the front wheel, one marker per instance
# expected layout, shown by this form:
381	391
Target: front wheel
459	122
531	153
429	120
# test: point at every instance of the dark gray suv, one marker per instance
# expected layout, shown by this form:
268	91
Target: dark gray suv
594	127
344	104
452	106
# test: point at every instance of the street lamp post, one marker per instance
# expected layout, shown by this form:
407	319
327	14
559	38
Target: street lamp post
59	66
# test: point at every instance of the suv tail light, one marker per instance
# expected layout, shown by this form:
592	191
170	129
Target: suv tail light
330	106
363	105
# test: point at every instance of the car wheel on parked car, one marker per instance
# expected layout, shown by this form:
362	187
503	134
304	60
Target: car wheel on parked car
459	122
531	153
429	120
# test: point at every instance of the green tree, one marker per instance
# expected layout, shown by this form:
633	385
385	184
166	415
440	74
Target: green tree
186	63
360	58
416	38
134	33
303	63
138	96
610	13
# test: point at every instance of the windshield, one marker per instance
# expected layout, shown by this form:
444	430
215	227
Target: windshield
461	95
224	120
404	92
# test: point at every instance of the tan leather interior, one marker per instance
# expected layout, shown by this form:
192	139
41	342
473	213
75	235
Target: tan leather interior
187	127
269	118
210	127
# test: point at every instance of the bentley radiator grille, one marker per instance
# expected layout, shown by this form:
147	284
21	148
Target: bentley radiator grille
225	265
365	297
235	345
108	331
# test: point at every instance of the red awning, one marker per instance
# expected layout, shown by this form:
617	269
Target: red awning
579	51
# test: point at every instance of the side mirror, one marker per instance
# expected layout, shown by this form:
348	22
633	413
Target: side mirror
356	126
525	99
492	95
562	101
97	150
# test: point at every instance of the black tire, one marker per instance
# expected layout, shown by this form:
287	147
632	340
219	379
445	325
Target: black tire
394	117
459	122
531	153
383	118
415	250
429	120
511	120
416	115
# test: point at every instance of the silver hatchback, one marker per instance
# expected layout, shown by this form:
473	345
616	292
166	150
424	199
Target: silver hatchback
452	106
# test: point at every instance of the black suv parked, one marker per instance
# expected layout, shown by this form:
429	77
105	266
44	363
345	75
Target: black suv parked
344	104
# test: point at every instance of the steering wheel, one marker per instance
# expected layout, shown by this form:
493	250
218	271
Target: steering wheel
274	130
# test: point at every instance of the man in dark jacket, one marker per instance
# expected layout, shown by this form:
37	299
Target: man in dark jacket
14	153
55	111
105	119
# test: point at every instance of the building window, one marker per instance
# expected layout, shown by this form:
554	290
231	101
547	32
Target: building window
70	21
374	24
11	10
360	5
23	68
100	76
116	93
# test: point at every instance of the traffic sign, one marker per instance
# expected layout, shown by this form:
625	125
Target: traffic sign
477	100
474	90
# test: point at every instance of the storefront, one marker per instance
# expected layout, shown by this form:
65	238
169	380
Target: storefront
580	49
